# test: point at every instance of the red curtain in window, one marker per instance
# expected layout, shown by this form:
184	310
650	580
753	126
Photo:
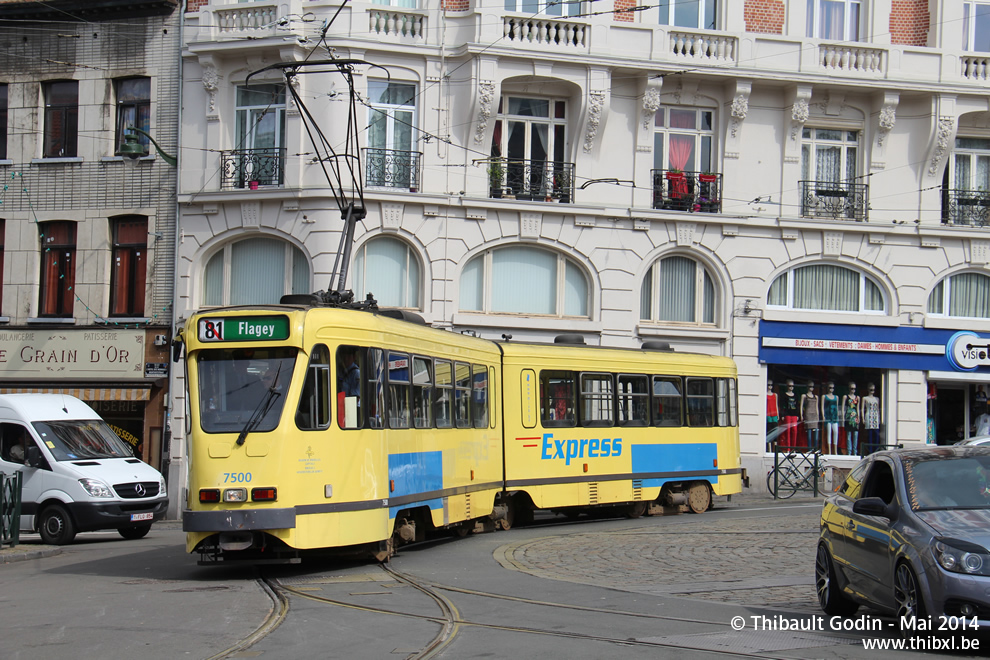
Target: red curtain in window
129	275
58	249
2	229
681	147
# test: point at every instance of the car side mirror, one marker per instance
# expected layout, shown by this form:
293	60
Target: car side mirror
33	457
874	506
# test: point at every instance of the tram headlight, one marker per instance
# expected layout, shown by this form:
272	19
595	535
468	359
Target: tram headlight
235	495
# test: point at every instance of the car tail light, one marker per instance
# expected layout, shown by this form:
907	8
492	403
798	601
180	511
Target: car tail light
209	495
264	494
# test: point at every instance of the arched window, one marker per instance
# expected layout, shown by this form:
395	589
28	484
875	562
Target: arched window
826	287
678	290
255	271
524	280
388	269
966	295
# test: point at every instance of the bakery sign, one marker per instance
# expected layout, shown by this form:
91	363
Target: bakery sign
967	350
93	354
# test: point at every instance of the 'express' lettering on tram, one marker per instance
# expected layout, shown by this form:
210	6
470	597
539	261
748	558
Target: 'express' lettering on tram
583	448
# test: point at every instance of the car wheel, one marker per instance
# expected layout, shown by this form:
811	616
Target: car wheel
830	598
55	526
136	532
907	594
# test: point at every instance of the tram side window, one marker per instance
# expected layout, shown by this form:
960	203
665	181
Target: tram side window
443	404
634	400
313	413
700	401
462	395
557	403
721	402
350	363
398	390
733	402
376	388
422	393
596	400
479	398
667	402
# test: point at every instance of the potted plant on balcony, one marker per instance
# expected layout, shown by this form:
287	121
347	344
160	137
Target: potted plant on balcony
675	175
496	177
707	177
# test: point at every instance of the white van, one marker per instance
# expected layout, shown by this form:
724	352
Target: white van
78	475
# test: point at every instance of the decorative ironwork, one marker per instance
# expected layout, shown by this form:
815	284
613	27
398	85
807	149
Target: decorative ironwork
835	199
966	207
391	168
252	168
534	180
694	192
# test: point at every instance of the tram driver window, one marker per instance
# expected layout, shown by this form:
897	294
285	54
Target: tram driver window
557	400
700	401
314	404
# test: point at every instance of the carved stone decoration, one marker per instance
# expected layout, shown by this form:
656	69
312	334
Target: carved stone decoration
486	95
651	103
800	111
293	107
886	121
738	110
832	244
392	216
530	225
211	82
251	214
685	233
979	251
946	127
596	103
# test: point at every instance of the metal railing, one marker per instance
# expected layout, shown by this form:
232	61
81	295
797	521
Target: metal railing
252	168
694	192
10	508
966	207
392	168
835	199
794	469
535	180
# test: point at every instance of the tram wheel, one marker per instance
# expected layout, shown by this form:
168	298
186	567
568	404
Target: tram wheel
699	497
635	510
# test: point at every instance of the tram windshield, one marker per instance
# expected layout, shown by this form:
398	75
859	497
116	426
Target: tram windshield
235	383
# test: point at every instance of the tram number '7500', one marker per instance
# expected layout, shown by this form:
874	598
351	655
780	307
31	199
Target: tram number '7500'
237	477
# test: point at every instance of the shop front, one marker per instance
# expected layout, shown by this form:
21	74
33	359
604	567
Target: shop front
849	390
121	374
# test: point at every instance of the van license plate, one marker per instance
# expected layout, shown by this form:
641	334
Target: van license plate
142	516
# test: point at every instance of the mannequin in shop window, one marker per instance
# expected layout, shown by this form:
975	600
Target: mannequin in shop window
870	408
983	422
773	416
789	411
830	418
809	416
850	417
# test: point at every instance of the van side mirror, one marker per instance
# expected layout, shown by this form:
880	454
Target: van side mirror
33	457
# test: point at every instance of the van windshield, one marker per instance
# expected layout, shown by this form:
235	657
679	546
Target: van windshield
83	438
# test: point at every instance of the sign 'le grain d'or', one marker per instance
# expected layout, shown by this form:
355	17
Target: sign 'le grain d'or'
71	354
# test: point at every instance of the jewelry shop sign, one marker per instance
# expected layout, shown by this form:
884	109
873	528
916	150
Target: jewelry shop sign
47	354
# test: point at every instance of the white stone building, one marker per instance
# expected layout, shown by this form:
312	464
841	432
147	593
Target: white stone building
521	177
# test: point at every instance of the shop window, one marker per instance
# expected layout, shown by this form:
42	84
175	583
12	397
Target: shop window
129	267
826	287
976	26
58	268
688	13
61	119
678	290
524	280
835	20
596	400
388	269
557	401
133	109
313	413
634	400
254	271
966	295
667	401
443	404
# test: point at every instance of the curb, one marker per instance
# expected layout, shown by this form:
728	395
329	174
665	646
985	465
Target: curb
22	553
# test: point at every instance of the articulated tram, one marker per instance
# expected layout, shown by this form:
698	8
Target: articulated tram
314	427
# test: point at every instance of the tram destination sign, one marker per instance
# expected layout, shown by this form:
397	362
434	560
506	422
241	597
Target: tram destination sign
243	328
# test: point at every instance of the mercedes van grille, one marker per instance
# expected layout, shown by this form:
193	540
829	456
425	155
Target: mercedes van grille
137	489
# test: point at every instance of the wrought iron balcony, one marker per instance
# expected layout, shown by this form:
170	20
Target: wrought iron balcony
534	180
252	168
835	199
391	168
966	207
694	192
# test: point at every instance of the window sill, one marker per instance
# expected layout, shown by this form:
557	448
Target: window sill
56	161
4	319
125	320
121	159
51	320
562	325
5	161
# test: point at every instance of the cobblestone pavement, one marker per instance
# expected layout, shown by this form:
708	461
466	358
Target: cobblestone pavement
757	561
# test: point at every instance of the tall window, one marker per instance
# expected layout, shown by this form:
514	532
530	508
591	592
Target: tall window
260	134
964	295
58	268
524	280
255	271
2	234
544	7
388	269
3	121
682	139
391	119
129	267
678	290
530	133
826	287
971	164
688	13
835	20
829	155
61	119
976	26
133	108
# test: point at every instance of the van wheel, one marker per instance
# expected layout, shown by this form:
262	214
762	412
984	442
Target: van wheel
136	532
55	526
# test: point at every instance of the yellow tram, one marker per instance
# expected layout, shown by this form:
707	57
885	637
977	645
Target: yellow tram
317	427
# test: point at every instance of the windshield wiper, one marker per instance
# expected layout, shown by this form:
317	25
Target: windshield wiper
264	407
